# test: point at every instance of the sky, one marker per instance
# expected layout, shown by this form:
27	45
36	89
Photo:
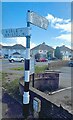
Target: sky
14	15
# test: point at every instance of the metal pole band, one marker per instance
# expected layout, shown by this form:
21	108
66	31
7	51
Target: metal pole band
26	77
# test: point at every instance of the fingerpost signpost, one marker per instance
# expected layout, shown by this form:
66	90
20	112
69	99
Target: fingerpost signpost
39	21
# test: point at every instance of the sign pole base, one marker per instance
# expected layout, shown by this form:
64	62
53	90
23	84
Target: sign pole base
26	110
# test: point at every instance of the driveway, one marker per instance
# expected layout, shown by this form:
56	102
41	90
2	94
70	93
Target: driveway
65	77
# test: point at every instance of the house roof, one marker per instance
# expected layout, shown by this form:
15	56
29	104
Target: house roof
43	46
7	47
64	48
16	53
16	46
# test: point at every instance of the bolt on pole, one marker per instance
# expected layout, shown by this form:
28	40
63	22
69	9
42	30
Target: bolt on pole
26	77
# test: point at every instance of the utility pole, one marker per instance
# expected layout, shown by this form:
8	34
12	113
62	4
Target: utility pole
26	77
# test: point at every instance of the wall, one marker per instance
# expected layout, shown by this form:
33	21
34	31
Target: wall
59	63
48	109
48	81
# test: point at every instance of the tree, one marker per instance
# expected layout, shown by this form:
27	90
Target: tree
49	54
58	53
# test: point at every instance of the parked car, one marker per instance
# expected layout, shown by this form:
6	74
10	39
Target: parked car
52	58
42	60
6	56
15	59
71	62
1	57
37	60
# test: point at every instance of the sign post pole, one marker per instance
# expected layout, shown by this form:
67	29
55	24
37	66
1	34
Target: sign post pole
26	77
41	22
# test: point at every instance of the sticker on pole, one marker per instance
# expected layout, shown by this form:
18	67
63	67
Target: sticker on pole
37	20
18	32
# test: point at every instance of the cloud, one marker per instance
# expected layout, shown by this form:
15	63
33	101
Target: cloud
8	41
6	44
22	41
53	19
17	40
32	45
65	37
58	23
63	27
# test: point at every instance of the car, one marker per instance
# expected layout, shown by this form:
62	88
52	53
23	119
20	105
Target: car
42	60
71	62
37	60
6	56
16	59
52	58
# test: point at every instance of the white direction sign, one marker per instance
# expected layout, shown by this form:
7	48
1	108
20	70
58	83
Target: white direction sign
37	20
18	32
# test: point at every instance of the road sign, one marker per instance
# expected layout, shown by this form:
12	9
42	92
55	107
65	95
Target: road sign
37	20
17	32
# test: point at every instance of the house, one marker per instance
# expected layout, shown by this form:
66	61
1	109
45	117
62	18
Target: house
9	50
42	49
66	52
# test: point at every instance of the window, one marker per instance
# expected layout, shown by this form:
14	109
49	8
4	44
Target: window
40	51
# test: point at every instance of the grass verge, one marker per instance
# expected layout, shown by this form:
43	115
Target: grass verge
12	87
18	68
38	69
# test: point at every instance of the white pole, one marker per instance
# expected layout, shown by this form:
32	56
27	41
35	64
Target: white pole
26	77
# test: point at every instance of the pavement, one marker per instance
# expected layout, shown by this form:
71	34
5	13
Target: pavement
10	107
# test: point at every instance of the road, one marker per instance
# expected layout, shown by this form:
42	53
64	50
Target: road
6	66
65	74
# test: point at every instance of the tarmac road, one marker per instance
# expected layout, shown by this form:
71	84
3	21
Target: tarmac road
6	66
65	76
